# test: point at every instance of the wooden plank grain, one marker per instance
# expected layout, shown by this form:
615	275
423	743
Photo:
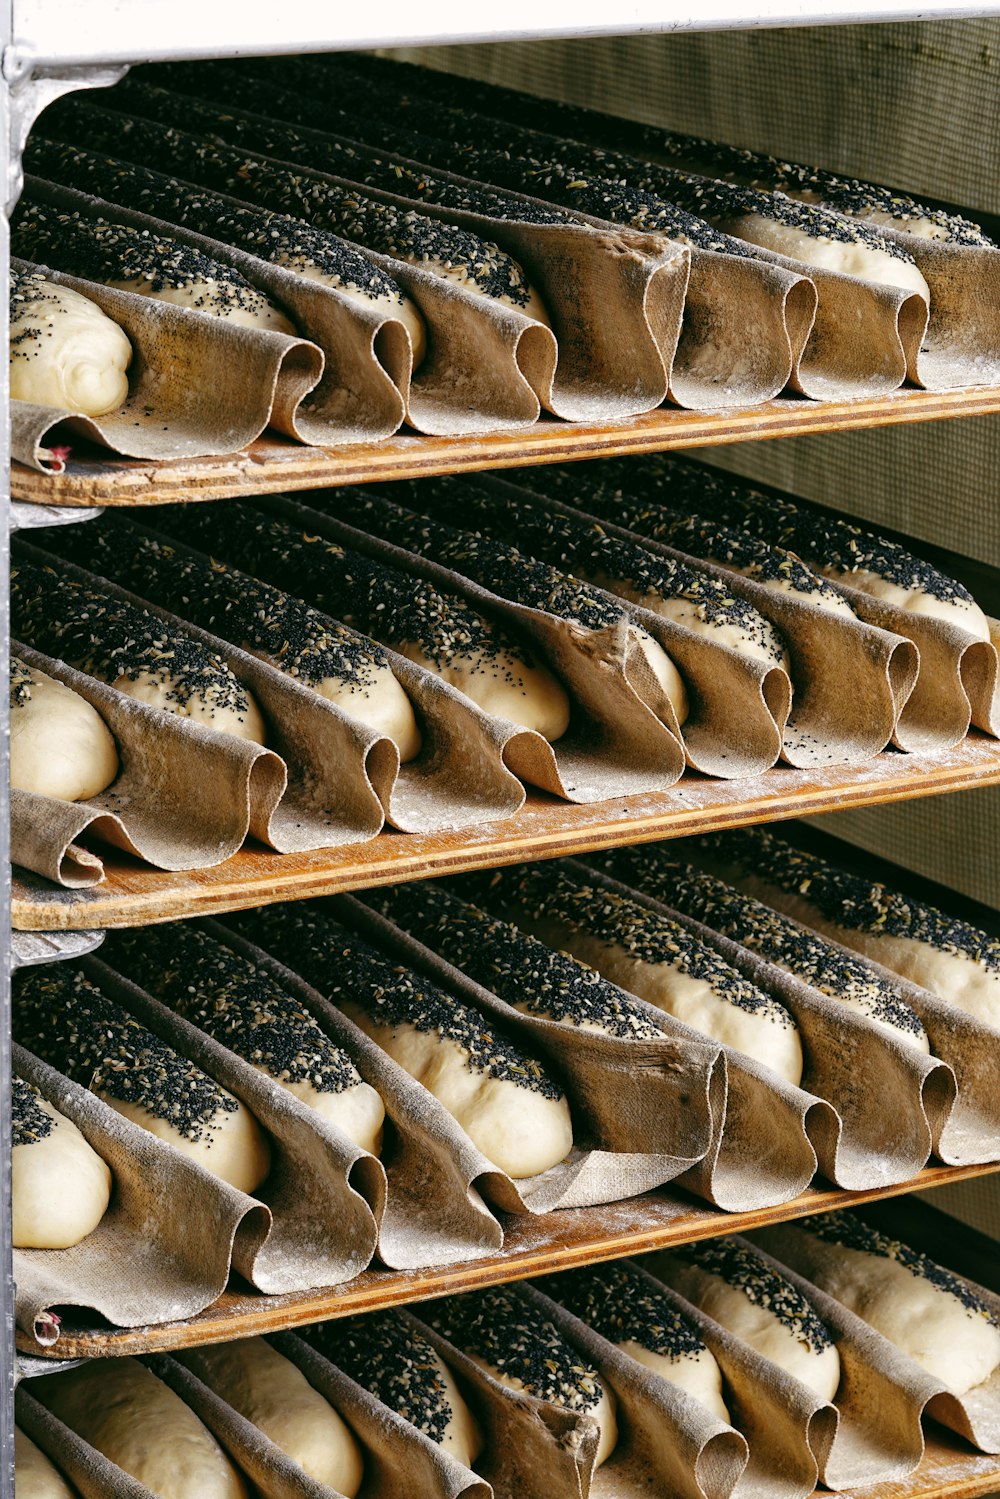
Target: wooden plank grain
95	477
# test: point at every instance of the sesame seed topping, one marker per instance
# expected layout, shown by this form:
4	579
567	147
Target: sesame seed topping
741	1268
29	1122
20	684
621	1303
396	1363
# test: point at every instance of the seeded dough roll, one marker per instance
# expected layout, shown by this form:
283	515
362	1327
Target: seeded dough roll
239	1004
503	1333
136	652
441	633
35	1477
515	576
603	490
628	1309
276	238
138	1422
65	1019
504	1100
60	1187
831	544
384	1352
777	938
695	599
275	1396
136	260
929	1313
516	966
59	744
953	959
730	1282
337	663
64	351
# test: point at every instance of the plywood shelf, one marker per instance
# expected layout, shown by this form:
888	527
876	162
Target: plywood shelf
134	894
95	477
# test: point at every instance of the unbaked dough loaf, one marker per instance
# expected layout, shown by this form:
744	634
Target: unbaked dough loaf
627	1307
505	1335
59	1184
953	959
516	966
138	1422
35	1477
503	1098
59	744
244	1008
135	651
387	1354
441	633
730	1282
64	351
824	966
653	956
930	1314
340	665
65	1019
269	1391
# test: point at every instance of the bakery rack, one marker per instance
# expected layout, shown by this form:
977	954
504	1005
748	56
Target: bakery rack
51	48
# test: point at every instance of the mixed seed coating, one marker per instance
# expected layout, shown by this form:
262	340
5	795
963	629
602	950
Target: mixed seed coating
65	1019
624	1306
752	924
20	684
28	287
740	1267
851	900
506	1332
386	1355
109	638
233	1000
851	1232
349	970
513	965
29	1122
298	640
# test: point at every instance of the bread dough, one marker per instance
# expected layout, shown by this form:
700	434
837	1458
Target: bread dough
761	641
825	253
59	744
697	1374
603	1412
739	1289
235	1150
60	1185
35	1477
388	305
382	706
667	676
273	1394
138	1422
158	689
64	351
502	685
214	298
964	614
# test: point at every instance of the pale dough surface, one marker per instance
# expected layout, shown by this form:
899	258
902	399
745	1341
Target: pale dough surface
462	1436
756	1325
35	1477
519	1130
820	600
697	1374
237	1150
276	1397
124	1411
507	688
964	614
667	676
208	296
59	745
955	1345
75	356
405	311
829	254
687	612
692	1000
61	1187
604	1412
358	1112
157	690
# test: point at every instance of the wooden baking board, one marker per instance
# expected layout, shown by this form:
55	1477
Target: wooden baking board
534	1246
950	1468
96	477
134	894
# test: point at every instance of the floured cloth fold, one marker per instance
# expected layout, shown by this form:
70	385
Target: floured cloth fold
870	1432
974	1415
961	345
198	386
92	1475
223	784
641	1104
324	1194
367	357
892	1101
163	1249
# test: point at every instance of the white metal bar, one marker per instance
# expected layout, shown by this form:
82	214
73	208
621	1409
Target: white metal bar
53	33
